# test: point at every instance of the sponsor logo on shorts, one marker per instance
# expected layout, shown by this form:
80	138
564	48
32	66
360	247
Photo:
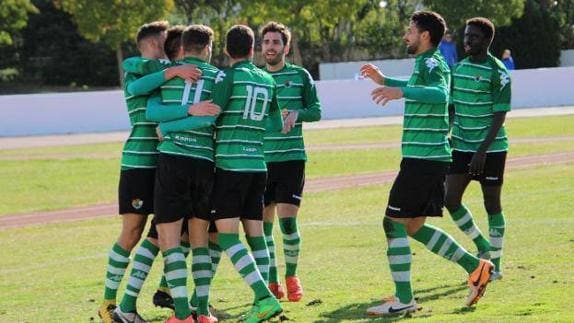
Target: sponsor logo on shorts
394	208
296	197
491	178
137	203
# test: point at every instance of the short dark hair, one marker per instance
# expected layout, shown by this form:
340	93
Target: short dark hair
275	27
196	37
432	22
484	24
173	41
151	29
239	41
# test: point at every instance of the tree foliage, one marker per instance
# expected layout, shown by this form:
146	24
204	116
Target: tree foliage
13	17
456	12
533	38
114	21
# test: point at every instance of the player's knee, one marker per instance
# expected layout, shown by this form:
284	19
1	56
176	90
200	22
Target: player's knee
492	207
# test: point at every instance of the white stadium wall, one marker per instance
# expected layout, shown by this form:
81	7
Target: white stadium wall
39	114
567	58
350	70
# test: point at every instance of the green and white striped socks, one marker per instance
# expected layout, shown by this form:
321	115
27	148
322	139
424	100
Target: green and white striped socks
442	244
496	225
268	231
118	260
142	263
175	271
399	256
185	247
215	254
201	270
259	251
243	263
463	219
291	244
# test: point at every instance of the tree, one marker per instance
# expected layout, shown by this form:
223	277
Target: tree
114	21
533	38
456	12
13	17
563	10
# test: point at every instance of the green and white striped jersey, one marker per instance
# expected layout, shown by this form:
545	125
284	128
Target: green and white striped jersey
425	124
197	143
296	91
479	90
247	97
140	149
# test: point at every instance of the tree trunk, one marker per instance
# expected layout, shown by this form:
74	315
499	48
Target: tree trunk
297	58
120	59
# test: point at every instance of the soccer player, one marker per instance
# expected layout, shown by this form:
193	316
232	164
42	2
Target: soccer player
481	97
247	97
185	167
285	155
418	190
147	251
138	164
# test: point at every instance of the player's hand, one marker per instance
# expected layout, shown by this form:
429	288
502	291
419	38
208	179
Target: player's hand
188	72
204	108
290	121
384	94
284	113
159	134
373	72
476	166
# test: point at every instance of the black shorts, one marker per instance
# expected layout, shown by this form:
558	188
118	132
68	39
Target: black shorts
285	181
238	195
135	191
493	174
418	189
183	188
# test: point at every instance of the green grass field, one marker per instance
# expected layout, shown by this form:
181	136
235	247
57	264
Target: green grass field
54	273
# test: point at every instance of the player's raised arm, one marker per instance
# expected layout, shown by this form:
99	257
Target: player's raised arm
147	84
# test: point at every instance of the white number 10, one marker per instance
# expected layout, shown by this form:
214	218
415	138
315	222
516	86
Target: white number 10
251	102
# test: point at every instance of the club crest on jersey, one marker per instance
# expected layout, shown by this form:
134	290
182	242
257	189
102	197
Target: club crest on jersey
478	78
431	63
288	84
504	79
220	76
137	203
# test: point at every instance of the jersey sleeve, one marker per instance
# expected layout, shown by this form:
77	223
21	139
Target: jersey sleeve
141	66
436	84
394	82
158	112
146	84
501	90
189	123
311	106
275	121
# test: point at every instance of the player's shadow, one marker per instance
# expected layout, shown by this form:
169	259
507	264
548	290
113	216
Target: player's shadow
357	311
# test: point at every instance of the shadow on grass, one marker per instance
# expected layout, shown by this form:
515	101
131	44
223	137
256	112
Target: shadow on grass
357	311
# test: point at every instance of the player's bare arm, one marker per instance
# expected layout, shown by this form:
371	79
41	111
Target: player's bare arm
476	166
